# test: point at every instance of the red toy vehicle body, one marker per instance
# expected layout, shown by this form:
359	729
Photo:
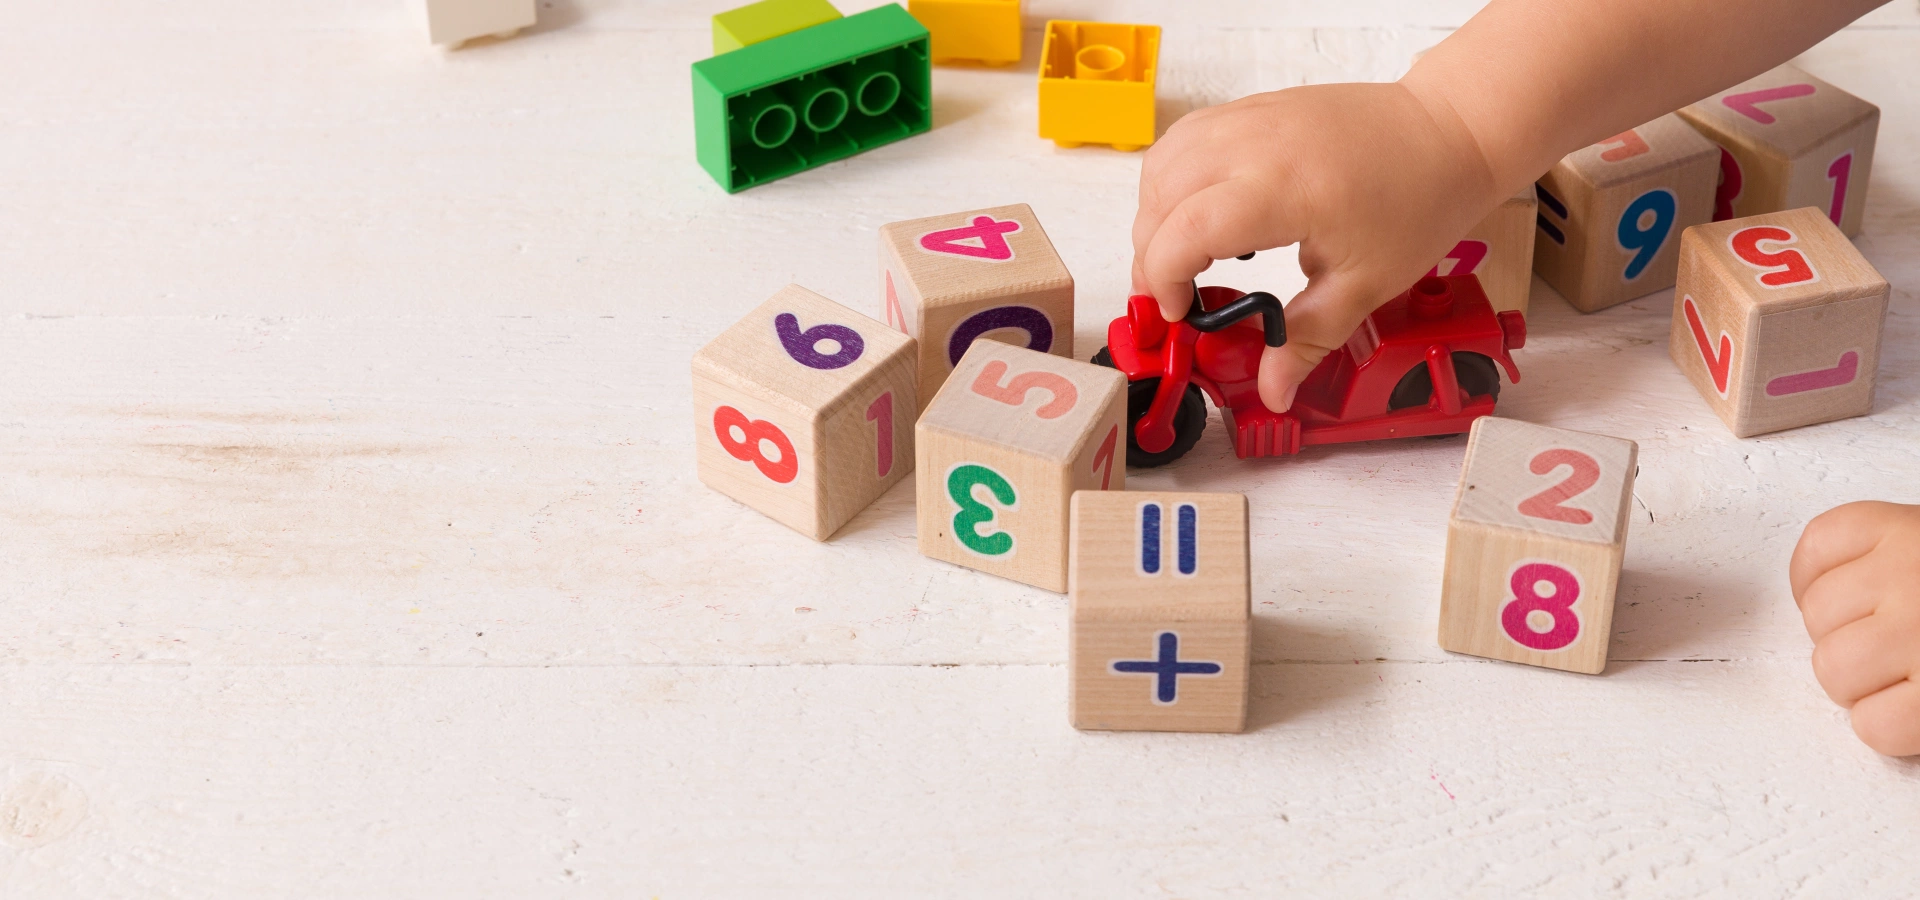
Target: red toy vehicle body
1423	364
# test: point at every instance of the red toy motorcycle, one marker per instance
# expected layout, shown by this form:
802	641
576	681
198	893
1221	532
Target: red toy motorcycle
1423	364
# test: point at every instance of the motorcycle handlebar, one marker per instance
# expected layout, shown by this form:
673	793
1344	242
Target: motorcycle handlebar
1266	305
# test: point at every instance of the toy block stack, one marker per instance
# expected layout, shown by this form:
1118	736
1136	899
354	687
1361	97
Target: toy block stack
947	280
1096	84
1534	546
809	96
1777	321
804	411
1161	630
1499	251
1611	215
1790	140
971	31
451	23
1002	448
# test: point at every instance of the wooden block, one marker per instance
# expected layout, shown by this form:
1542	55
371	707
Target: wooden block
1002	448
453	22
948	280
804	411
1534	546
1777	321
1788	140
1610	215
1162	628
1500	251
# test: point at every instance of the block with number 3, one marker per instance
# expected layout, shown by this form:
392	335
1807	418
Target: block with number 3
1002	448
1610	215
1777	321
804	411
1539	529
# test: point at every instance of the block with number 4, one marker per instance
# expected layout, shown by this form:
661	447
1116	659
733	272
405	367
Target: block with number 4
1161	628
804	410
950	280
1534	546
1610	215
1777	321
1499	251
1002	448
1787	140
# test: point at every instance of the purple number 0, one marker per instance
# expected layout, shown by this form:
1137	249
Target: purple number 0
1032	321
801	345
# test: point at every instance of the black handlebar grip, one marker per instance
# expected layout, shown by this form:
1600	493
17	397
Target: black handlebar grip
1259	302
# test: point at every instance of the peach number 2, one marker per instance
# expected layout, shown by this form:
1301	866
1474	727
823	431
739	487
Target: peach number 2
1783	267
1014	392
1550	503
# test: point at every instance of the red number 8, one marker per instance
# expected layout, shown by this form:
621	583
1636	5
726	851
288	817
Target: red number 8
726	419
1526	600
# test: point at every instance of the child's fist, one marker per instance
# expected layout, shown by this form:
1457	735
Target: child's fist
1856	576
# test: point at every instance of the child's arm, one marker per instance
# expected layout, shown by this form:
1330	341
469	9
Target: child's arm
1856	576
1376	181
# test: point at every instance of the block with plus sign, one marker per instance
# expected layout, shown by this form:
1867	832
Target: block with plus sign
1161	628
1777	321
992	273
1610	215
1788	140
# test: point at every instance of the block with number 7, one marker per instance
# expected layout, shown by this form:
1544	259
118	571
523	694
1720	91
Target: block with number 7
1539	529
1001	449
804	411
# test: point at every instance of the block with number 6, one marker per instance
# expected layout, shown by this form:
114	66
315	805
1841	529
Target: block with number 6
1002	448
804	411
1534	546
1777	321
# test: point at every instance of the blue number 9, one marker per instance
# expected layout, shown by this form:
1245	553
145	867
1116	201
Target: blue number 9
1646	243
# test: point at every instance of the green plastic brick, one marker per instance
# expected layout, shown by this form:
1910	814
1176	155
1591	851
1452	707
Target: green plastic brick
785	105
766	20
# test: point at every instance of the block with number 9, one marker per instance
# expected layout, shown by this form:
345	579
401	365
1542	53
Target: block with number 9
804	411
1539	529
1002	448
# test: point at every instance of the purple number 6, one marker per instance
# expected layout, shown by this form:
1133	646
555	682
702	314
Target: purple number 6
802	345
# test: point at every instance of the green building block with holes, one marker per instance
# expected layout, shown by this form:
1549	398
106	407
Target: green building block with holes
804	99
766	20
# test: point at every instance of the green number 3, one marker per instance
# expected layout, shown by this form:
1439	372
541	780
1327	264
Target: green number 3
973	513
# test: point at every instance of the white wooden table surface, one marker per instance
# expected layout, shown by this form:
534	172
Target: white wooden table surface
350	543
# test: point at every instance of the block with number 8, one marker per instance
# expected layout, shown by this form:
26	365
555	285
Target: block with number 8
1002	448
1777	321
1539	529
804	411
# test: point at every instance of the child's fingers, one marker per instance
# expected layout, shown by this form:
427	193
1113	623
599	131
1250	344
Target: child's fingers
1319	319
1834	538
1889	720
1861	658
1225	220
1844	595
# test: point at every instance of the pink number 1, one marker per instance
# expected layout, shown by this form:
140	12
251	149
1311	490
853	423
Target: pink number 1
1838	173
880	412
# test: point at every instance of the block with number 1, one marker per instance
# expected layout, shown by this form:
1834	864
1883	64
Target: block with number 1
804	411
1539	529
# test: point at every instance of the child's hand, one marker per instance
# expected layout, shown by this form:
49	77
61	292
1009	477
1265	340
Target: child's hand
1373	183
1856	576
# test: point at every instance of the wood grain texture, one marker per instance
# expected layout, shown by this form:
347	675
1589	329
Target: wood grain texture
1506	239
451	23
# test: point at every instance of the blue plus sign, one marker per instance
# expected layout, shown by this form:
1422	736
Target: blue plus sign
1167	669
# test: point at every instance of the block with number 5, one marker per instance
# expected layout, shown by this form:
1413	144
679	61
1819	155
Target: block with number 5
1610	215
1777	321
804	411
1002	448
1534	546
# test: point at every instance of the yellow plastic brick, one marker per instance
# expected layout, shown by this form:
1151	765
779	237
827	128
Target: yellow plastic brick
1096	84
767	20
980	31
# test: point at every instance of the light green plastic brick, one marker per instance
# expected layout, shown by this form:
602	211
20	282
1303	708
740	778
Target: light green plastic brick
767	19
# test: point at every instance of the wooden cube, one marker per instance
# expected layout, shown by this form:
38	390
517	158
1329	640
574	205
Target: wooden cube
974	31
949	280
804	411
1161	630
1534	546
451	23
1500	251
1777	321
1788	140
1002	448
1611	215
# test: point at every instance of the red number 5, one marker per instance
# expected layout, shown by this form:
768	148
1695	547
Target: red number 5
1547	503
1014	392
1785	266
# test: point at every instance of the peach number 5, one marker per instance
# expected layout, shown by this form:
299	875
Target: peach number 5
1782	267
1014	392
1550	503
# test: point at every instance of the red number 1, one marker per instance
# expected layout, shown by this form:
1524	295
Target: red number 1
1103	457
880	412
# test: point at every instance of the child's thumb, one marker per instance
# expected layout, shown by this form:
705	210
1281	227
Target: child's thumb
1320	319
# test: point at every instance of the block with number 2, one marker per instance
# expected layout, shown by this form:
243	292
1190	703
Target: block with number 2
804	411
1539	529
1002	448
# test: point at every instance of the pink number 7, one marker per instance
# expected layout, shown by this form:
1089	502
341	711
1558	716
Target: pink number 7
1014	392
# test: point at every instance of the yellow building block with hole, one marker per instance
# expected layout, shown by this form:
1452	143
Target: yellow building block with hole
1096	84
982	31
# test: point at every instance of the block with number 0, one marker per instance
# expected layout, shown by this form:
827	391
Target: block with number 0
1002	448
1787	140
1777	321
1539	529
1161	631
804	411
950	280
1610	215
